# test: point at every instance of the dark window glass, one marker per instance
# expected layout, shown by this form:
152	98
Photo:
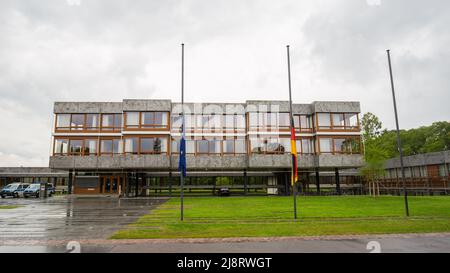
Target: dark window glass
117	146
117	121
147	145
202	146
76	146
106	146
148	118
77	122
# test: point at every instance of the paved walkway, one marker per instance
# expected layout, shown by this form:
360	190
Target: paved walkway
69	218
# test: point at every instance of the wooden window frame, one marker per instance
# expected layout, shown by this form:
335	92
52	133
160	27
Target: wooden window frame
139	152
333	128
54	146
146	127
265	152
333	150
111	128
112	153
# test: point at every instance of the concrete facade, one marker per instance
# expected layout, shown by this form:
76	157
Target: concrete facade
250	161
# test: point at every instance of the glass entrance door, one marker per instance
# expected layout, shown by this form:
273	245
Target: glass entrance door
112	184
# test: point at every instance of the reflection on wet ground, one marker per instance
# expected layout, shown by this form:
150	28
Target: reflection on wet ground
69	218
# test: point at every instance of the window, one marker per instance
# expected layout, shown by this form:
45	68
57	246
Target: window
340	145
76	146
61	146
154	145
154	119
106	146
240	121
228	146
92	122
351	121
442	170
111	146
271	119
202	146
284	120
77	122
175	146
253	119
131	145
190	146
111	121
90	147
338	121
117	146
305	123
267	145
354	145
307	146
326	145
239	146
148	119
177	122
63	121
230	122
132	119
160	119
214	146
286	144
323	120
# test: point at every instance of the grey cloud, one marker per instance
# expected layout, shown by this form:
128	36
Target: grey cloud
235	50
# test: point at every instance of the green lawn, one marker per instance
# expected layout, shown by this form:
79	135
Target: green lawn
8	207
273	216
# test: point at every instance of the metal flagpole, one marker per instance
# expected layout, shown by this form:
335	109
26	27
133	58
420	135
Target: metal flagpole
294	190
182	111
399	143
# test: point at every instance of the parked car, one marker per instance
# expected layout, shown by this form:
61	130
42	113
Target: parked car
34	190
14	190
223	192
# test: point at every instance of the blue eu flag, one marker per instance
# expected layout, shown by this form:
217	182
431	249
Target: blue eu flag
182	161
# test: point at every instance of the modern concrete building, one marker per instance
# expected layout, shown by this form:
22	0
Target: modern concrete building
132	146
424	173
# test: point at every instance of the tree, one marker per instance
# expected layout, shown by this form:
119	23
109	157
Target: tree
374	153
381	145
371	126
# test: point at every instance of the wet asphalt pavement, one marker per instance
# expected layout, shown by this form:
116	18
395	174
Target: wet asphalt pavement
63	218
48	225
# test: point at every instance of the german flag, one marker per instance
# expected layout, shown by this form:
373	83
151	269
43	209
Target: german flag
294	176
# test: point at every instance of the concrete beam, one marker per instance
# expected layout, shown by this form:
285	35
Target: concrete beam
336	107
146	105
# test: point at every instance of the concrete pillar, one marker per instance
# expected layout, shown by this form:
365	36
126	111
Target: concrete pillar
170	184
317	181
286	184
69	183
338	181
245	182
136	185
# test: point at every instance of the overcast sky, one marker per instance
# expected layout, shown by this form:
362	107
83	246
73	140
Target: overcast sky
107	50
